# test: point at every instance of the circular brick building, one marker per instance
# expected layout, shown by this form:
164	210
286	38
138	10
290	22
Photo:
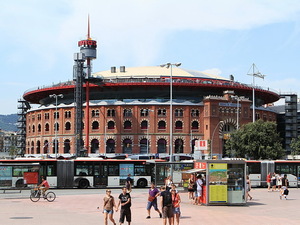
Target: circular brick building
129	112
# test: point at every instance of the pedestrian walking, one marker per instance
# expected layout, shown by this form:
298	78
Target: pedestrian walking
284	189
248	187
129	182
108	207
269	181
199	183
125	202
152	200
176	205
190	187
273	180
167	206
168	183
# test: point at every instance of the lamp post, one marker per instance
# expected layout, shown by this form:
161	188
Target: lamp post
56	121
238	99
170	65
212	139
254	74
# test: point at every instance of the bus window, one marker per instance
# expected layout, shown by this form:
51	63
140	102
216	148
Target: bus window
19	170
113	170
254	168
140	170
286	169
51	170
83	170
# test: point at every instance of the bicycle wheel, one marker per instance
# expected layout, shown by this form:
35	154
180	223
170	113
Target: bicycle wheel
50	196
35	196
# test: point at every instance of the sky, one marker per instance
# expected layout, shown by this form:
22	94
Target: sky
39	38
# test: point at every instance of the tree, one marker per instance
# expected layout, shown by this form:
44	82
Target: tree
258	140
295	146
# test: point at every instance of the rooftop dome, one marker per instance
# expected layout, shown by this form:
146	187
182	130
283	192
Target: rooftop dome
153	72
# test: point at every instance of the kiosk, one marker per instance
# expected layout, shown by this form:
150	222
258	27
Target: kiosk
225	181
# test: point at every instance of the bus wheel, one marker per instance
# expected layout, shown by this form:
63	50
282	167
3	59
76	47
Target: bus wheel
83	183
20	183
141	183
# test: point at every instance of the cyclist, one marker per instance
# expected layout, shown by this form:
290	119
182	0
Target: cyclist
44	186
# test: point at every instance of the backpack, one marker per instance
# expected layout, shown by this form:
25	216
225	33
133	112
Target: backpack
167	197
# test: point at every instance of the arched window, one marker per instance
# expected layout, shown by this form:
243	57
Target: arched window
111	125
161	146
47	127
45	147
111	112
161	112
110	146
179	112
39	127
56	127
178	125
144	146
127	125
32	147
195	125
67	146
33	128
94	146
144	125
95	125
95	113
161	125
127	113
67	114
38	147
55	146
178	146
127	146
68	126
195	113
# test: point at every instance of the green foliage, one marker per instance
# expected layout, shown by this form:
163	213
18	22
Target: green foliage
258	140
295	146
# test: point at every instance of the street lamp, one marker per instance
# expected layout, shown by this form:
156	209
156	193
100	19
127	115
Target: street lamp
254	74
170	65
238	99
56	121
212	139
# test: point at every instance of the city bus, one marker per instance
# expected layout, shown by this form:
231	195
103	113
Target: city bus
83	172
258	171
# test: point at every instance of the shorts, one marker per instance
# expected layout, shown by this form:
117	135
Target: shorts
190	189
199	192
125	213
196	194
167	212
108	211
176	210
153	203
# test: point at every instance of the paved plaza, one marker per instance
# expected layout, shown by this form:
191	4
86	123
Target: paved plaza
79	207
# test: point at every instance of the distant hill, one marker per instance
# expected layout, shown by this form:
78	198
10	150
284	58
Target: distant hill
9	122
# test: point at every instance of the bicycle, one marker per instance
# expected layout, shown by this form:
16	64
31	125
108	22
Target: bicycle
36	195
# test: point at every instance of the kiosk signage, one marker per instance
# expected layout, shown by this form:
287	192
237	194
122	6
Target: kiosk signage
217	183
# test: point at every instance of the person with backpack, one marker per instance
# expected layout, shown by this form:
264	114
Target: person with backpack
167	206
